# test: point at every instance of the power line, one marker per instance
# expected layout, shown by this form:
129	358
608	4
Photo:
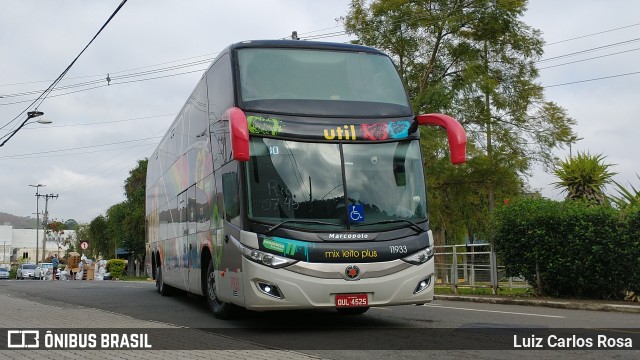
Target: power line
211	56
592	34
112	84
43	96
594	79
591	58
113	79
313	37
590	50
77	148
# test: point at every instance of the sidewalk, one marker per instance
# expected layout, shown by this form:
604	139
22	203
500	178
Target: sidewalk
575	304
19	313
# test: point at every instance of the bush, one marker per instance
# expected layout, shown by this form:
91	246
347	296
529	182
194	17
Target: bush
569	249
115	267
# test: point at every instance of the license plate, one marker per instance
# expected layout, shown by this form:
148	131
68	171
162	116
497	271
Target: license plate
352	300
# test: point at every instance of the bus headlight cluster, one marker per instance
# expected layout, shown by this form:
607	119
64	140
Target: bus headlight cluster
267	259
420	257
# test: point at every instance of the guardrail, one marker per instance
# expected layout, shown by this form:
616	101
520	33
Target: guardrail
473	266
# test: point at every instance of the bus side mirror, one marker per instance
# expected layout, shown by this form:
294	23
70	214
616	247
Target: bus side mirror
455	133
239	131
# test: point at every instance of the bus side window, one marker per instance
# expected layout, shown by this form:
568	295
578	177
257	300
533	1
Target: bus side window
231	196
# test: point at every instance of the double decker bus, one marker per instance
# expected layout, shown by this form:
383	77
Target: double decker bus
292	178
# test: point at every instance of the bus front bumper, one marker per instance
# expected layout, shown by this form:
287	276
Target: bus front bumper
296	289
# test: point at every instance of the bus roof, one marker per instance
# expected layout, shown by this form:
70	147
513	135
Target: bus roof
303	44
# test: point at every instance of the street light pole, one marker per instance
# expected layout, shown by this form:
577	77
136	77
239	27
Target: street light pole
30	115
37	216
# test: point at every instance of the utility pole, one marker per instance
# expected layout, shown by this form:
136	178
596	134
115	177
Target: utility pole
37	216
46	214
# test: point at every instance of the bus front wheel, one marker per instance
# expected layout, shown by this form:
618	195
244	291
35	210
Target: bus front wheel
220	309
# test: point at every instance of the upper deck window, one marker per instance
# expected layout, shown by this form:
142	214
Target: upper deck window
320	82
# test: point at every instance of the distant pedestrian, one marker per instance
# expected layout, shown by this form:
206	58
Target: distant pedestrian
55	263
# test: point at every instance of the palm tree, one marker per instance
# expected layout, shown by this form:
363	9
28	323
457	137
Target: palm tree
584	177
628	199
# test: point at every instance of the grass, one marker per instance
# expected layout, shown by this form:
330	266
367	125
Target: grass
446	290
132	278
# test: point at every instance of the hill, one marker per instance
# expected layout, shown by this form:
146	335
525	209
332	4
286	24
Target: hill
18	222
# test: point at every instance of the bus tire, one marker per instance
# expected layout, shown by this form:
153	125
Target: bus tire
220	309
353	311
162	288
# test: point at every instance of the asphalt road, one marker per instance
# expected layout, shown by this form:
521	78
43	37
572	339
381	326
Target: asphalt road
453	329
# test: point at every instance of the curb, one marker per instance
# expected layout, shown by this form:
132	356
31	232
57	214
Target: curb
560	304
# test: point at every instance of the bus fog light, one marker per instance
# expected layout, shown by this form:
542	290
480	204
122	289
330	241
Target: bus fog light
270	289
423	284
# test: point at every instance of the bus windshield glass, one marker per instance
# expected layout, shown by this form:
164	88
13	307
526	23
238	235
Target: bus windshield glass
291	180
320	82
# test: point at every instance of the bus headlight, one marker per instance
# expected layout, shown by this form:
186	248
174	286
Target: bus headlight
420	257
264	258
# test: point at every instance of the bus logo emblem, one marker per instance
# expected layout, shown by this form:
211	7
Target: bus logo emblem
352	272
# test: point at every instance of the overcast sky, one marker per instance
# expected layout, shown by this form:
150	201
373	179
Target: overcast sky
155	52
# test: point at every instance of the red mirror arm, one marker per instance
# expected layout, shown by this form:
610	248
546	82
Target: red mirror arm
455	133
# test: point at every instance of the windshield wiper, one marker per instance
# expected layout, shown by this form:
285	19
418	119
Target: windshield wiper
415	227
280	224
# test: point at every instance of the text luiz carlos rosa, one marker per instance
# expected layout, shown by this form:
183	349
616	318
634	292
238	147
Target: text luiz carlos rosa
573	341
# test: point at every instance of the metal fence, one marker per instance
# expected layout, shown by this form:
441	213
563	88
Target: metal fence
473	265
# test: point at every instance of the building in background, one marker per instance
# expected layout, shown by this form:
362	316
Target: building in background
21	244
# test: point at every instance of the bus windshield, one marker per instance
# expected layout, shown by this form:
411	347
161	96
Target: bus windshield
334	187
305	81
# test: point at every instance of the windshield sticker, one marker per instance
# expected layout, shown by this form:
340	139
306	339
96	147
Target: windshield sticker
341	248
287	247
377	131
346	132
356	213
264	126
399	129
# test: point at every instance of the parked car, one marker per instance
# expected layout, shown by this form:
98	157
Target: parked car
43	270
26	271
4	273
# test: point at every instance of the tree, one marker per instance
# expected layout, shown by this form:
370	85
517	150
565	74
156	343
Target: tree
99	244
82	234
133	224
55	232
584	177
71	224
475	61
123	226
116	216
627	199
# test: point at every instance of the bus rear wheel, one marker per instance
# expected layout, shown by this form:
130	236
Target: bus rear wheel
220	309
163	289
353	311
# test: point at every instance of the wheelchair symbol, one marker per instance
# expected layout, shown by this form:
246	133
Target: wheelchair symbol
356	213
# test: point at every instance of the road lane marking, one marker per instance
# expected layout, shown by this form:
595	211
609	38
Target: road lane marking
494	311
